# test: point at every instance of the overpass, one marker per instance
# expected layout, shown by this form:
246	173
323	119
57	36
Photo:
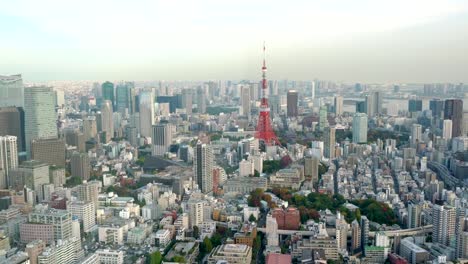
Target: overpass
331	231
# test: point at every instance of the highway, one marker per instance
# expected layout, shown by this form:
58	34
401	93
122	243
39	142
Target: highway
391	233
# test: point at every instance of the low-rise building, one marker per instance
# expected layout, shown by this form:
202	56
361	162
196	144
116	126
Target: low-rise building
231	253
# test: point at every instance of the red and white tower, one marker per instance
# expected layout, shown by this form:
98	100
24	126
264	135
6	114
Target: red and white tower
264	131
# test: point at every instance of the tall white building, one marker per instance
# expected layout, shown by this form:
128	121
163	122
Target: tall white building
360	128
146	114
162	139
447	129
414	215
8	158
85	212
338	105
203	167
245	100
443	220
246	168
107	122
416	134
196	212
11	90
39	114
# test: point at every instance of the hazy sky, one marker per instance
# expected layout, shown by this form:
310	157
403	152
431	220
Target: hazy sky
342	40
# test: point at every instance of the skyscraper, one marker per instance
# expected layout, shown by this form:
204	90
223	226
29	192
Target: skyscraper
146	114
373	104
323	118
292	99
414	215
187	101
245	100
107	120
39	114
8	158
11	90
416	134
201	100
90	128
338	105
414	105
31	174
437	107
447	129
443	221
453	110
125	98
50	151
364	233
80	165
108	93
12	123
329	151
162	139
203	167
360	128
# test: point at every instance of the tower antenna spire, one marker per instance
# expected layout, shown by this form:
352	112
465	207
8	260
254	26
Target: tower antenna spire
265	131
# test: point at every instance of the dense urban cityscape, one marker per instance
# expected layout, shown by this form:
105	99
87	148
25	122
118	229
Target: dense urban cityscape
113	168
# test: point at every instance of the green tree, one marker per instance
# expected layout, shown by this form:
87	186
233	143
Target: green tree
156	257
256	173
179	259
252	218
216	239
206	246
196	232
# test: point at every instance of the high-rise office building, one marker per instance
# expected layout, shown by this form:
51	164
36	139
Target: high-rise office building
245	100
90	130
374	104
31	174
107	120
311	165
437	108
292	100
323	118
11	90
414	105
146	113
187	101
75	138
416	134
51	151
131	134
201	100
443	221
12	124
414	215
8	158
39	114
453	110
447	129
80	165
338	105
203	167
162	139
329	142
123	97
360	128
108	93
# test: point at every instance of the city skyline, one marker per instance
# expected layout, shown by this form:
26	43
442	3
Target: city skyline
363	41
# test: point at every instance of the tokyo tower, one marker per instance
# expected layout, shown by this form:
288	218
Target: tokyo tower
264	131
